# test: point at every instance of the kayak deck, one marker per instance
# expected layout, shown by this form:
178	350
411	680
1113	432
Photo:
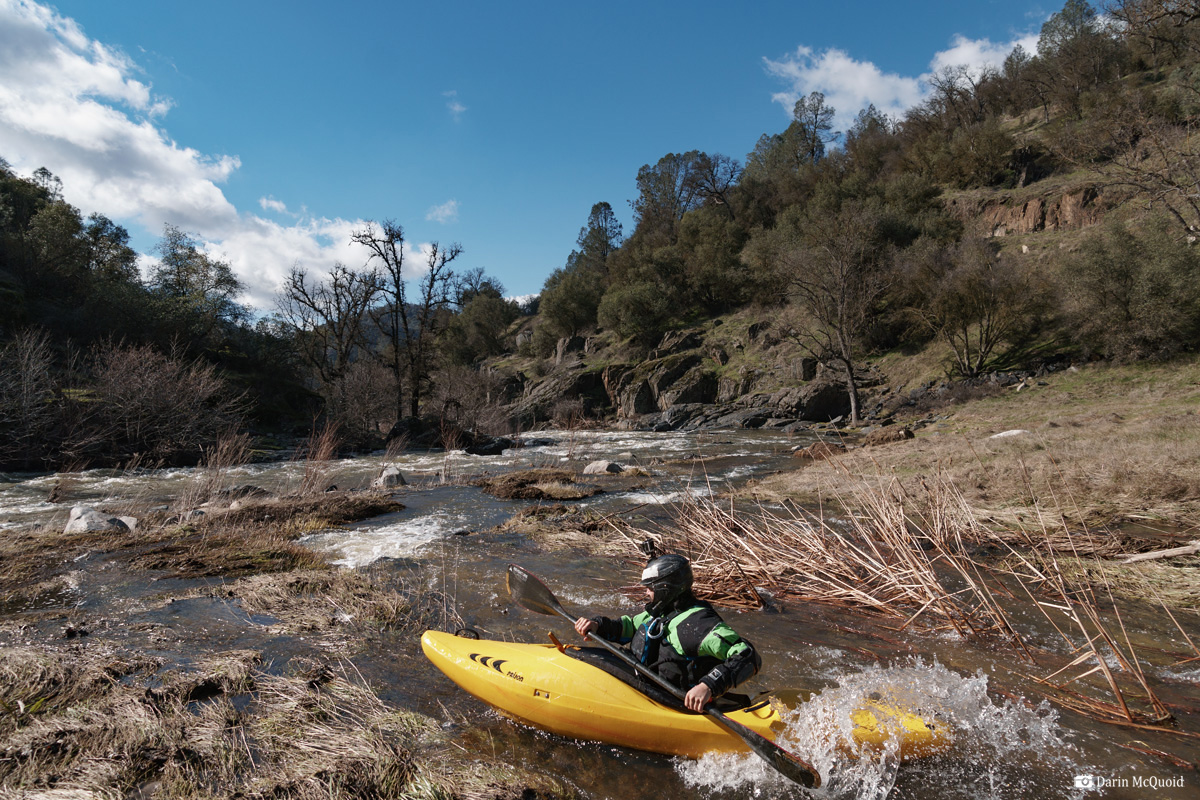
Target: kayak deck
546	687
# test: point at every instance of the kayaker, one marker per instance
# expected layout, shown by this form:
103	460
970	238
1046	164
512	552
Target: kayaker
681	638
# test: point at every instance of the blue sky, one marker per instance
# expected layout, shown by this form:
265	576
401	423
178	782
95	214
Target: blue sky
270	130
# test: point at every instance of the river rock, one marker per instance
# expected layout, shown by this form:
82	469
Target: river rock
390	476
819	451
490	446
745	418
602	467
85	519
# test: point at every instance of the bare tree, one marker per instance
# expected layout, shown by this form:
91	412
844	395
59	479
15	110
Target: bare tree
837	271
1134	146
409	327
328	319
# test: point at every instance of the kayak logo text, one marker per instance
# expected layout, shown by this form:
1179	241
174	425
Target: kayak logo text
496	664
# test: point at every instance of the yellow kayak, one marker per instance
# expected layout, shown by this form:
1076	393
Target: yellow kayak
545	686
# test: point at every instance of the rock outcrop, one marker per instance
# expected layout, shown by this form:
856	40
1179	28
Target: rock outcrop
1008	215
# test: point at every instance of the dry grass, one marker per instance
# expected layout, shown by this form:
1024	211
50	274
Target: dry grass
230	451
357	601
230	729
917	558
1104	444
557	526
898	557
537	484
318	453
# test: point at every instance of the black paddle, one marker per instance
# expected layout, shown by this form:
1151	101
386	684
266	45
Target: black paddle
531	593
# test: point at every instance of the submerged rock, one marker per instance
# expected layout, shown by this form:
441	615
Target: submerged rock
602	467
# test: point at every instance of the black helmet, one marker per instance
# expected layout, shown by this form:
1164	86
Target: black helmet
668	576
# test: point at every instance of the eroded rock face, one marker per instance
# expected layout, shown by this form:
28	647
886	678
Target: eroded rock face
697	386
1048	212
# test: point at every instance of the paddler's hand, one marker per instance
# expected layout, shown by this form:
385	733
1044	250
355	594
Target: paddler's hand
584	626
697	697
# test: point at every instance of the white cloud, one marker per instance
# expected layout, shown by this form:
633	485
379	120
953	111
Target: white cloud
456	108
271	204
74	106
445	213
976	54
850	85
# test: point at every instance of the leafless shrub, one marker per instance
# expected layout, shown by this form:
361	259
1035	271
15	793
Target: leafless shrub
472	399
161	406
27	408
396	447
569	414
365	401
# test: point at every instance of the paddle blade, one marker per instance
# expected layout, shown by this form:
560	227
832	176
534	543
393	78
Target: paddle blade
790	766
531	593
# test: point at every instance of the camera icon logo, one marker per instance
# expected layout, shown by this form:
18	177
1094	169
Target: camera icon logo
1088	782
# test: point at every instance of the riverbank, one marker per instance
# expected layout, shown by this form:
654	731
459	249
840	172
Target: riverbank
1094	446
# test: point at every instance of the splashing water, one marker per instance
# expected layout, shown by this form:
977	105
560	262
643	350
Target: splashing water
997	751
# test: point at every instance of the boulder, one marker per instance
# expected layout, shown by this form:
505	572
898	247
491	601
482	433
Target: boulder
489	446
730	388
697	386
886	435
823	401
85	519
675	342
390	477
667	371
745	418
602	468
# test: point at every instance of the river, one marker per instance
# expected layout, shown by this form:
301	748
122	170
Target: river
1010	742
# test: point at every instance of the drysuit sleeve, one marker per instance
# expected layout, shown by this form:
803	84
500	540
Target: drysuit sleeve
739	660
618	630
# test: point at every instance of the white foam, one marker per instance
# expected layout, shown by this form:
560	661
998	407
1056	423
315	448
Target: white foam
994	745
357	548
